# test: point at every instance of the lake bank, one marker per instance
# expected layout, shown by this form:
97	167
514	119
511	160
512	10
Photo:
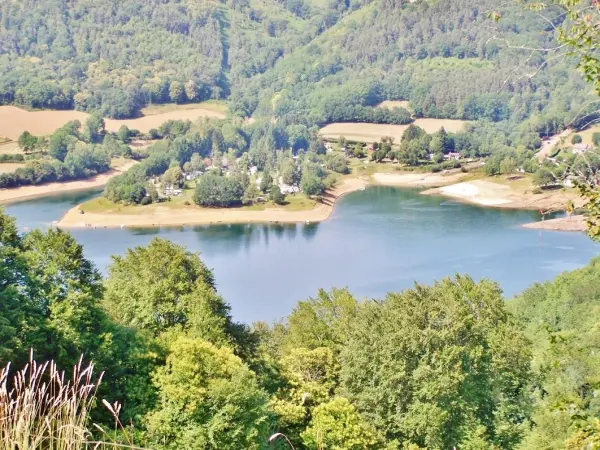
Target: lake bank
161	215
573	223
375	241
511	195
517	193
19	194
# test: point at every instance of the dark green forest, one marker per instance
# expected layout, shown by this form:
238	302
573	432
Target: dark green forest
301	61
452	364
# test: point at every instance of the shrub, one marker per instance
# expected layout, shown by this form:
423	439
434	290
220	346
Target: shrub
576	139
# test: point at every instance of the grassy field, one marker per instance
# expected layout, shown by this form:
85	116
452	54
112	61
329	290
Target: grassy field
586	134
372	132
101	205
10	148
391	104
14	121
10	167
217	106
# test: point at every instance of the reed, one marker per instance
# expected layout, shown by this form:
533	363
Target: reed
42	409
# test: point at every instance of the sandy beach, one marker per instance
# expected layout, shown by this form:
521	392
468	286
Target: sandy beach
417	179
43	190
573	223
499	195
193	215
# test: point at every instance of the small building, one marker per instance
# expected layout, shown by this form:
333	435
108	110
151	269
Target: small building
580	148
288	189
452	155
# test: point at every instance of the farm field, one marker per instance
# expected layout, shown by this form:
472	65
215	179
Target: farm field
586	134
13	120
372	132
391	104
10	167
216	106
9	148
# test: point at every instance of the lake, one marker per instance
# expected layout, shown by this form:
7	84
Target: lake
378	240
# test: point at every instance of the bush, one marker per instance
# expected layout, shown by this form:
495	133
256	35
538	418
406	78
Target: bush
11	158
576	139
217	191
146	200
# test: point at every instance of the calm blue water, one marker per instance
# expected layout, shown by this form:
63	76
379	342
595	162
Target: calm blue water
378	240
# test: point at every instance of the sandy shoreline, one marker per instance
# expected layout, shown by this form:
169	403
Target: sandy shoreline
497	195
480	192
573	223
192	215
164	216
43	190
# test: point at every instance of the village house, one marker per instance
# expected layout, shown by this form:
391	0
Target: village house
192	175
580	149
452	155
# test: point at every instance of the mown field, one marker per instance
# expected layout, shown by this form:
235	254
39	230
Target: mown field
13	120
586	134
371	132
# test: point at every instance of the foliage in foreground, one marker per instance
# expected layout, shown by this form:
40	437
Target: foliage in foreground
41	408
432	367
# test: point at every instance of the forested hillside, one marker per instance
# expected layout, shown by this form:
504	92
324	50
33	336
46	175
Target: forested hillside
305	62
117	56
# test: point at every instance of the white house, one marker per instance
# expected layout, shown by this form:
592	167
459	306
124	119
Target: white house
580	148
452	155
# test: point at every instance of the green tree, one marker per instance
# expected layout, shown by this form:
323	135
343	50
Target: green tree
162	287
208	399
576	139
21	318
93	129
173	176
359	151
596	139
322	321
27	141
218	191
428	366
191	90
337	425
176	92
508	165
311	184
561	319
266	181
276	196
543	177
124	134
250	194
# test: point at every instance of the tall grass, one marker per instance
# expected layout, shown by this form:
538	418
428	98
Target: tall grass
42	410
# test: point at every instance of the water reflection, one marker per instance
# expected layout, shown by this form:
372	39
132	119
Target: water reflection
377	240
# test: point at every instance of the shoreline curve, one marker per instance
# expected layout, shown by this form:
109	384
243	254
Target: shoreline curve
23	193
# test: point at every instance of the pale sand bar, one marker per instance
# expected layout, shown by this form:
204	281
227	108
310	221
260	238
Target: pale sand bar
488	193
417	179
573	223
28	192
193	215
